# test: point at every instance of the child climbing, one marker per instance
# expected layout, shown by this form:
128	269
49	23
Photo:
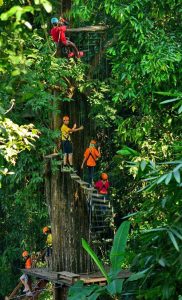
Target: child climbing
58	35
24	278
90	157
47	231
67	144
103	184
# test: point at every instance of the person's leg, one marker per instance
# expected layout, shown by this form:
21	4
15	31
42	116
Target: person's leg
65	154
24	280
70	154
70	159
75	50
89	175
92	175
65	159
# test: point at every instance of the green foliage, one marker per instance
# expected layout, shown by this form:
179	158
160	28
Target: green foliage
114	284
138	105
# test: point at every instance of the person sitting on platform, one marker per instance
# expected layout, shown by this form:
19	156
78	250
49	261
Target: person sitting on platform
67	144
48	255
25	278
103	184
90	157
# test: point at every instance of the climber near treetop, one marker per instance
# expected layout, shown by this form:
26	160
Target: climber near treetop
58	34
67	144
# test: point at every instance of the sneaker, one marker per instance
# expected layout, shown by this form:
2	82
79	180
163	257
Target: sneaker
29	294
66	169
71	169
25	290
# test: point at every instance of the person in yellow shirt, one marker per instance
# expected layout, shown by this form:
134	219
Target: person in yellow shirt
47	231
67	144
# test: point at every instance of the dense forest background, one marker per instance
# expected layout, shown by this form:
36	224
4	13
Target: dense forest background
133	94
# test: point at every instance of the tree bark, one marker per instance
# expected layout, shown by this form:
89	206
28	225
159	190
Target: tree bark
69	223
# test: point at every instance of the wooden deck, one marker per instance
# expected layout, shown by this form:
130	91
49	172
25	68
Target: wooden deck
67	278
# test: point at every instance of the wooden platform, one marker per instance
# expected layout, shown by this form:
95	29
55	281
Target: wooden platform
68	278
88	28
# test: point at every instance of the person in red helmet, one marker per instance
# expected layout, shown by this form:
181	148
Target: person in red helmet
67	144
103	184
91	156
25	278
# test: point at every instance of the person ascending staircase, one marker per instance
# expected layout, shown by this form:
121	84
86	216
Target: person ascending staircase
91	156
103	185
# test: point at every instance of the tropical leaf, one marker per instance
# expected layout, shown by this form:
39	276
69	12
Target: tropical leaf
177	176
95	259
138	275
115	287
119	245
173	240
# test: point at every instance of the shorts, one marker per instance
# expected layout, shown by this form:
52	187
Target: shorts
48	251
67	147
24	277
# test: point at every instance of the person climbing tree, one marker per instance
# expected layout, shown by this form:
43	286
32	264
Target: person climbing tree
62	37
58	35
90	157
48	255
67	144
103	184
25	278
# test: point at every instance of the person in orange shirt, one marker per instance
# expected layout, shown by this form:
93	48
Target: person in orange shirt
24	278
91	156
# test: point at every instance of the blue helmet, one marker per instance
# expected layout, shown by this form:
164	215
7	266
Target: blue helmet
54	20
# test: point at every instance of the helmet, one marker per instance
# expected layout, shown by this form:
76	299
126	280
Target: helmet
54	21
25	253
93	142
66	118
45	229
104	176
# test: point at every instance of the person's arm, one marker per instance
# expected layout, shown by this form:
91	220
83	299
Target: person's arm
97	185
84	160
76	129
99	151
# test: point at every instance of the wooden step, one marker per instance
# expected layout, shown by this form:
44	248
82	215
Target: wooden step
101	201
99	205
74	176
52	155
71	277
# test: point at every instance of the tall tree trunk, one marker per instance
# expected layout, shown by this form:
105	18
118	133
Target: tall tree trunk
69	223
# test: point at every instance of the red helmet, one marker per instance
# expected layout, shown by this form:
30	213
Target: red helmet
25	253
104	176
